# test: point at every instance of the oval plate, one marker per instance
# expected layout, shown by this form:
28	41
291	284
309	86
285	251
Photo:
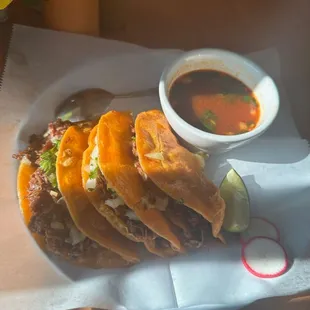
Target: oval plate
129	72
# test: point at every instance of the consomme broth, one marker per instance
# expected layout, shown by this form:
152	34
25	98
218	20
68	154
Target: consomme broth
215	102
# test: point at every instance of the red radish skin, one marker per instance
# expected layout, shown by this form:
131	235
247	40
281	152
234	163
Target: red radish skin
258	274
244	241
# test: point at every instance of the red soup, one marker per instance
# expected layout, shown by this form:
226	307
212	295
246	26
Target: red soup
215	102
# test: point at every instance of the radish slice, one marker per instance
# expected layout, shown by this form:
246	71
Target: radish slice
260	227
264	257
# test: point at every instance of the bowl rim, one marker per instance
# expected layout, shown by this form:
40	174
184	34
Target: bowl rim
164	101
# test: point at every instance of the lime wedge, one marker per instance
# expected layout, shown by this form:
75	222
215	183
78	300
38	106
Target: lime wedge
235	194
4	4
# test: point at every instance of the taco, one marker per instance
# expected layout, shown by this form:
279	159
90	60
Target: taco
176	171
49	212
118	192
25	171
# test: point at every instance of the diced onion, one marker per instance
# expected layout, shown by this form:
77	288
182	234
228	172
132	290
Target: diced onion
132	215
57	225
158	156
114	203
90	184
92	165
76	236
53	194
95	152
54	139
243	126
26	161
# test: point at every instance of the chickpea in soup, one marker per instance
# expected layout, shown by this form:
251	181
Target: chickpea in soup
215	102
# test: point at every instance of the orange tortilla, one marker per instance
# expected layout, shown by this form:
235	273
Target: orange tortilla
179	172
26	169
93	258
84	215
96	195
116	162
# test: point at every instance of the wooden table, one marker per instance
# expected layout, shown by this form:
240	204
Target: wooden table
242	26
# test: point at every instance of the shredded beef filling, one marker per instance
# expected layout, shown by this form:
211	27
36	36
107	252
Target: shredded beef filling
191	226
54	132
57	129
31	152
52	220
135	227
38	144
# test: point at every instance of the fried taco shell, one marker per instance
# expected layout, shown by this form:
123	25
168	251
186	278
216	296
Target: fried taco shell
119	192
58	226
25	171
175	170
97	192
68	170
121	217
44	209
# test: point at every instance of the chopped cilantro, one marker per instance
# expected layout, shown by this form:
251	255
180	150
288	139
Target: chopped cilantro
208	119
247	98
57	143
94	173
48	163
250	99
112	192
53	180
180	201
133	138
209	114
66	116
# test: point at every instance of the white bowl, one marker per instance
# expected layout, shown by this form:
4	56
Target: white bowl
235	65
